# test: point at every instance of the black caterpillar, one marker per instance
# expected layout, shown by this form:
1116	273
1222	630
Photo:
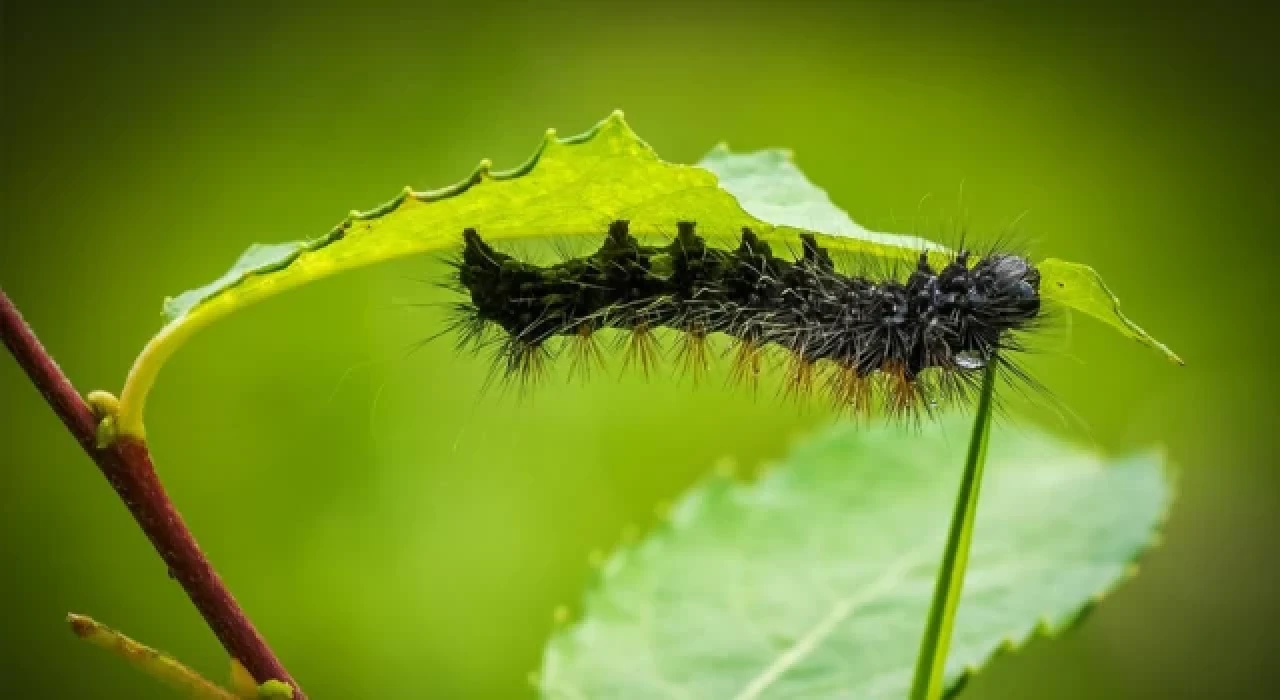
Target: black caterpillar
922	340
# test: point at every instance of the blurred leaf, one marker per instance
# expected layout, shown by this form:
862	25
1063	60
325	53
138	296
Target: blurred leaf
815	581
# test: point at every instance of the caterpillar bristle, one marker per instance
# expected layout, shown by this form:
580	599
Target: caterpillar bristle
746	364
641	351
692	355
850	390
902	395
585	355
799	379
526	363
916	335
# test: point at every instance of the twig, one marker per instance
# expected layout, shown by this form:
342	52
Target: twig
126	463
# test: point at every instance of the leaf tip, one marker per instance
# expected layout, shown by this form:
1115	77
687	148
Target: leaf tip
1081	288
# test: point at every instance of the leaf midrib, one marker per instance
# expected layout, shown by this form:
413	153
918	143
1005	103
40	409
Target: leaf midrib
892	576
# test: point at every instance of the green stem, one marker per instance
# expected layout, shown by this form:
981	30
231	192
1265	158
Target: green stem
929	681
154	663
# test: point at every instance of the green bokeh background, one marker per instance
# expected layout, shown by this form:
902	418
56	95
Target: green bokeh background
397	534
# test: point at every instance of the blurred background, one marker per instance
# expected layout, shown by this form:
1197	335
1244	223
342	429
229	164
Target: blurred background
397	534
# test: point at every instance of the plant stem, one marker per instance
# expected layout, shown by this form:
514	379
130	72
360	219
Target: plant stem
127	466
931	664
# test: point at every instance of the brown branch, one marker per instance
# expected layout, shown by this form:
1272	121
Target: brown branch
128	468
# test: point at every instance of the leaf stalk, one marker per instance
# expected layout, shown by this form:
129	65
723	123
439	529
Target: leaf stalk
126	464
929	681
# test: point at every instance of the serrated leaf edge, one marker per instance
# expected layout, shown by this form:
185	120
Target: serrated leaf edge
725	475
1046	629
184	322
483	171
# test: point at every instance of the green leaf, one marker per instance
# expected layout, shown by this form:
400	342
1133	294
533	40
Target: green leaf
1081	288
259	259
570	187
815	581
770	186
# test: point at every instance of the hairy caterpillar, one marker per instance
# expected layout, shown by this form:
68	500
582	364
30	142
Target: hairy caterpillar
917	342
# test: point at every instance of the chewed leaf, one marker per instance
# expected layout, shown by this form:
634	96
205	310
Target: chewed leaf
815	581
1081	288
258	259
573	186
569	187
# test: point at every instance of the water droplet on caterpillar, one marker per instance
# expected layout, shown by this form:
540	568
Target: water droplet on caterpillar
970	360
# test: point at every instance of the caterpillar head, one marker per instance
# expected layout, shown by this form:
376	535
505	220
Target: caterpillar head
1011	282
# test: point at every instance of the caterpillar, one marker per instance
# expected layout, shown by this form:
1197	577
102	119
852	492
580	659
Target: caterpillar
917	342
